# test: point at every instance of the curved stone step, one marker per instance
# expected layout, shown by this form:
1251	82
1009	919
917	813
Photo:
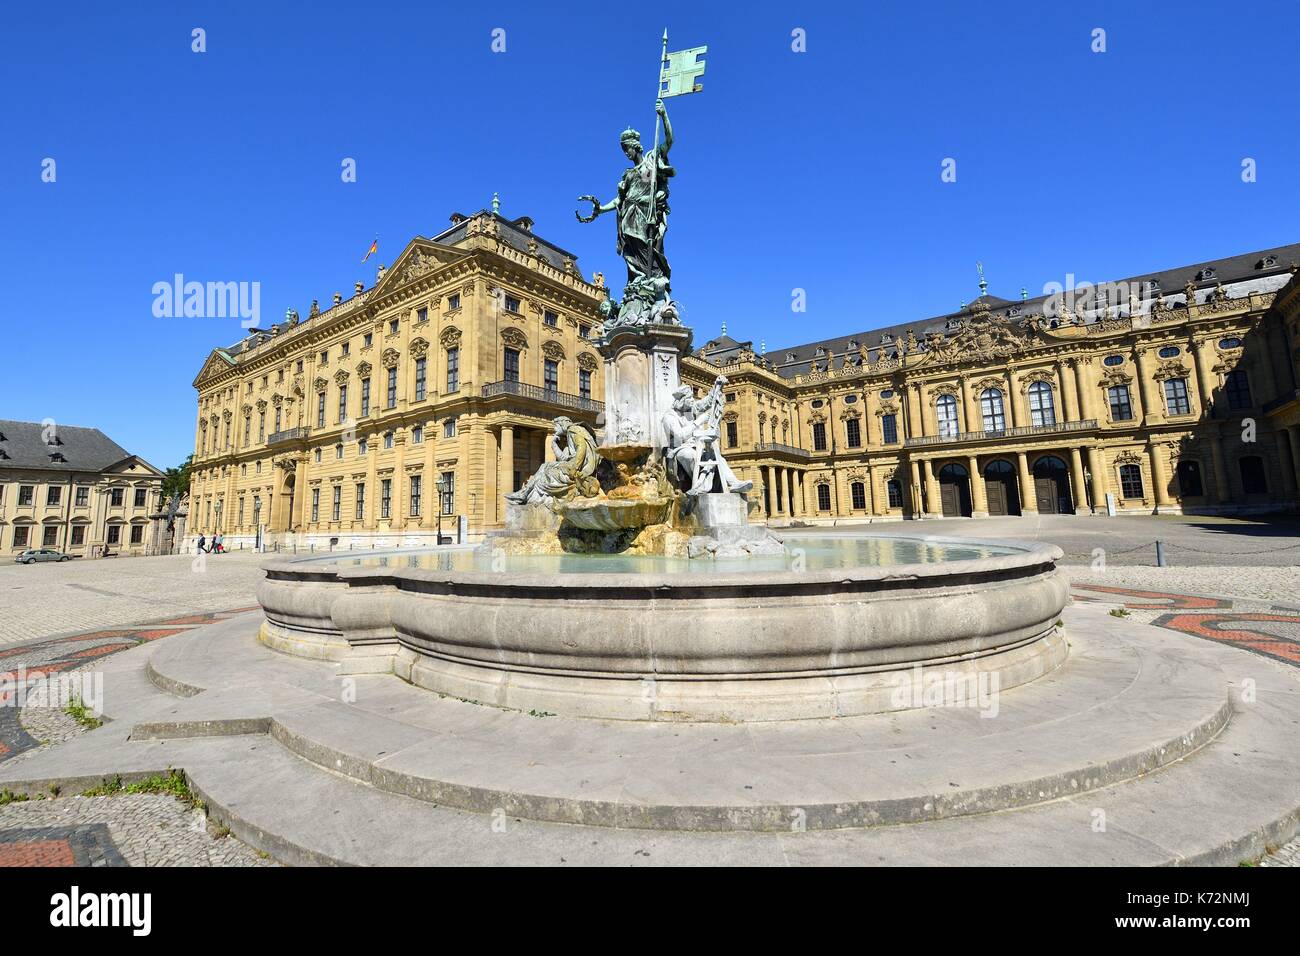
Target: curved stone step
1130	700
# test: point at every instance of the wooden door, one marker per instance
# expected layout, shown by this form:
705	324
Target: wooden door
1045	493
996	491
951	497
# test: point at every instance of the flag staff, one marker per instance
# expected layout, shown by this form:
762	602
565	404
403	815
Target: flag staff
654	159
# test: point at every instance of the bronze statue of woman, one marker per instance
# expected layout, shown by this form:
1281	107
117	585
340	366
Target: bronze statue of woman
641	203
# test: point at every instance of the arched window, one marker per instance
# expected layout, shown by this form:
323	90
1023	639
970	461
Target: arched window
945	410
1189	479
1253	481
859	492
991	408
1042	406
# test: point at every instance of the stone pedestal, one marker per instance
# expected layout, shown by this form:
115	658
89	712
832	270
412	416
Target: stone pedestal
640	376
720	528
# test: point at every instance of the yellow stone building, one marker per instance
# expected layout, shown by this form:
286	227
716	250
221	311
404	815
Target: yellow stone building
413	404
74	489
1164	393
421	400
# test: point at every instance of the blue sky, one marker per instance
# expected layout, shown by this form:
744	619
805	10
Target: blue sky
817	170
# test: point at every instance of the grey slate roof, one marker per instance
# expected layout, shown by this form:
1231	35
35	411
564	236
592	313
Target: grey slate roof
1238	268
85	449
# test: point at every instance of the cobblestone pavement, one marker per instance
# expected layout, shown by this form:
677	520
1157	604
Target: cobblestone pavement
45	600
121	830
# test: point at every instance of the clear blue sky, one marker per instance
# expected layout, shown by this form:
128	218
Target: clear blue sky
816	170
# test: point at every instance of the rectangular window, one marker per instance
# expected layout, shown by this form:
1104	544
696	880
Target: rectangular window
392	387
50	536
388	439
584	331
53	495
116	496
453	370
20	536
853	433
368	340
343	404
361	501
550	318
248	427
365	397
823	497
347	348
320	409
819	438
1237	386
338	452
422	314
1176	396
449	428
83	497
584	383
415	496
385	497
551	375
393	326
315	505
141	495
261	425
336	508
417	434
25	495
137	534
1130	481
895	491
1121	407
731	435
363	446
278	419
420	365
510	364
241	513
324	358
114	534
858	491
78	535
448	492
512	302
889	429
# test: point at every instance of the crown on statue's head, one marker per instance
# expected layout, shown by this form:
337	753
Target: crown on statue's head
630	136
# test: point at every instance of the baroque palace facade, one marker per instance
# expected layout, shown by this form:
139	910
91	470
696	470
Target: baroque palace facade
419	402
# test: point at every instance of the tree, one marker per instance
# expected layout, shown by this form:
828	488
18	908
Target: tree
176	481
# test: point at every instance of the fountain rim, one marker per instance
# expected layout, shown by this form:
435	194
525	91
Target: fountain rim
1025	555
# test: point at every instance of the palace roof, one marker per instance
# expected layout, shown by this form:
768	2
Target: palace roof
70	448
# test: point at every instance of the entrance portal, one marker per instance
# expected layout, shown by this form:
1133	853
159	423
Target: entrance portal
1052	486
1001	487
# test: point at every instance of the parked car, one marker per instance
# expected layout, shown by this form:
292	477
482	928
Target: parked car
32	555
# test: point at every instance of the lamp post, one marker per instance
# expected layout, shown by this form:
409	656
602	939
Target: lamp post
257	522
440	484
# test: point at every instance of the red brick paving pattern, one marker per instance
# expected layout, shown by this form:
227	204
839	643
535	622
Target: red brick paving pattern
37	853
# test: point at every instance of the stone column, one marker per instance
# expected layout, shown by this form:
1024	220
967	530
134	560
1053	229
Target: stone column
766	499
296	522
914	490
803	495
970	416
1159	477
401	484
1146	385
871	491
1205	376
979	503
1084	388
1028	500
1080	491
789	493
1069	400
932	489
1096	464
1222	494
505	467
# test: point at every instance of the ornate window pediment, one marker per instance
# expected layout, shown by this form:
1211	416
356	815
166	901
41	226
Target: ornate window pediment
588	361
364	369
513	338
419	347
1170	369
947	388
1128	458
341	376
450	337
1034	377
1113	378
390	358
321	383
553	350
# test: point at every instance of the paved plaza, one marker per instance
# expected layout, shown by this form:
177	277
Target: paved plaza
1235	583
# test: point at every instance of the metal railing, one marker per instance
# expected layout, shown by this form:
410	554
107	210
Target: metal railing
288	434
776	446
539	394
1019	431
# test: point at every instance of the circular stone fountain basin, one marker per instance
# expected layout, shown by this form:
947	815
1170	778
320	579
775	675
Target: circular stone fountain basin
614	514
838	625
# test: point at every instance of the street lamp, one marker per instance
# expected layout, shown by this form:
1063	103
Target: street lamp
257	522
440	484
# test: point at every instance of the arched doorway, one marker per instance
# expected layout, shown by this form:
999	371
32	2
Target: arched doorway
1001	488
954	491
1052	486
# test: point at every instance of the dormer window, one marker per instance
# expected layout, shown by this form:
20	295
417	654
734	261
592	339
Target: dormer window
57	457
1268	262
790	356
1206	273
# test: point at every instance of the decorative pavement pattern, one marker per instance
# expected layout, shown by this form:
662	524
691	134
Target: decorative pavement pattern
1269	629
156	830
